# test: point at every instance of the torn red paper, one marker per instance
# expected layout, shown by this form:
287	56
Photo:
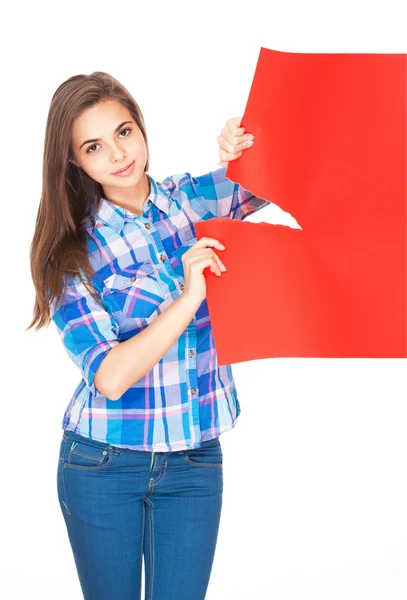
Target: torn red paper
330	149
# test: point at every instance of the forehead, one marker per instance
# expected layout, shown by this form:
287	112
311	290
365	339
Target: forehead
99	120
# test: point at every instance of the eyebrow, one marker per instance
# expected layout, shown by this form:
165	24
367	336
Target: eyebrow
97	139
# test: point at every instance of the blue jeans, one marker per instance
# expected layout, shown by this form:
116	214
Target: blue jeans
120	505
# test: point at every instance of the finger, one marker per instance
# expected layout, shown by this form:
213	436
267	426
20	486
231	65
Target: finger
233	126
207	241
206	262
233	139
228	156
212	266
234	146
234	121
200	253
219	262
215	268
207	254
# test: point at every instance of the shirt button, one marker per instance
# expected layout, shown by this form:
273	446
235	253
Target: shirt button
133	278
181	285
149	202
191	353
163	257
147	225
193	391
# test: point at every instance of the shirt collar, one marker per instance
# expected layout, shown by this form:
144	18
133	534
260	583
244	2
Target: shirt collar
115	215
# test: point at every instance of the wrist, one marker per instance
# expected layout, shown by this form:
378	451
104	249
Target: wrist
191	300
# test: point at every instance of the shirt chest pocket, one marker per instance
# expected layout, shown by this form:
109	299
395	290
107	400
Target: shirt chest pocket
136	291
177	254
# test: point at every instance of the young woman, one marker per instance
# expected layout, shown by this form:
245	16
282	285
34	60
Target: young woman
117	267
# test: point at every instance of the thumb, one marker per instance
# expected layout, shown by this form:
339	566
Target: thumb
234	126
236	121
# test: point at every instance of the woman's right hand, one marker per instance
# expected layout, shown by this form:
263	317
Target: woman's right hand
195	260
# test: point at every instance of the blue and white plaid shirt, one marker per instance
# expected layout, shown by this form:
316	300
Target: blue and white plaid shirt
186	398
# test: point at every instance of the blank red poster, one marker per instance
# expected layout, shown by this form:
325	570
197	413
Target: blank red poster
330	148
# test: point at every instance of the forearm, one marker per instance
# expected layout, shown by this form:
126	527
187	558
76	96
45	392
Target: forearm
129	361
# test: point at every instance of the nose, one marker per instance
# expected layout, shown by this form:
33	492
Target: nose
117	154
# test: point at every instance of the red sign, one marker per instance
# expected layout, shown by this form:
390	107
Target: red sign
330	149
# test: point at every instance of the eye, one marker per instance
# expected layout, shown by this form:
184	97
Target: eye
126	129
89	151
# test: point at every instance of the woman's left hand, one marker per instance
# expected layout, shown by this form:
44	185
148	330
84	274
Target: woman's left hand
232	141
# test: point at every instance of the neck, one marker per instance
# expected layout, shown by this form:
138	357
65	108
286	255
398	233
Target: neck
132	198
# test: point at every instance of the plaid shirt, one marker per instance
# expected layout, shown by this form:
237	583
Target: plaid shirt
186	398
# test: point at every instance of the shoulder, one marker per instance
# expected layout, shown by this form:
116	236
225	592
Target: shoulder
194	186
178	183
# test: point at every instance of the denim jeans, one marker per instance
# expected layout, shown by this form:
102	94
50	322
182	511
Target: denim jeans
120	505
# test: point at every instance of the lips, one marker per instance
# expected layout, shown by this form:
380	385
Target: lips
124	168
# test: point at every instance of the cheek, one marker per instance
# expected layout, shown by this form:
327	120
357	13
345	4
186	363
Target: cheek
137	146
97	168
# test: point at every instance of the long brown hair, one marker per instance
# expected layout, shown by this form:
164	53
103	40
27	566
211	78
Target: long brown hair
59	245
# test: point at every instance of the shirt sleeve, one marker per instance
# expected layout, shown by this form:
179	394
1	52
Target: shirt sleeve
86	329
224	198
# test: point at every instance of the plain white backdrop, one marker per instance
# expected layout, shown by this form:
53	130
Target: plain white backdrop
315	487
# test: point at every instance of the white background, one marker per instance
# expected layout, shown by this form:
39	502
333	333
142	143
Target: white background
315	489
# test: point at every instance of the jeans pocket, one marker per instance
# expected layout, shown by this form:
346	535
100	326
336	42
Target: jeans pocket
86	454
208	455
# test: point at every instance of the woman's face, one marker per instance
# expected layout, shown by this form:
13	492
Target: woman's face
105	139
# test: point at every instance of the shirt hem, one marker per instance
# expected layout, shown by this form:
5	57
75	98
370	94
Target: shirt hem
162	447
